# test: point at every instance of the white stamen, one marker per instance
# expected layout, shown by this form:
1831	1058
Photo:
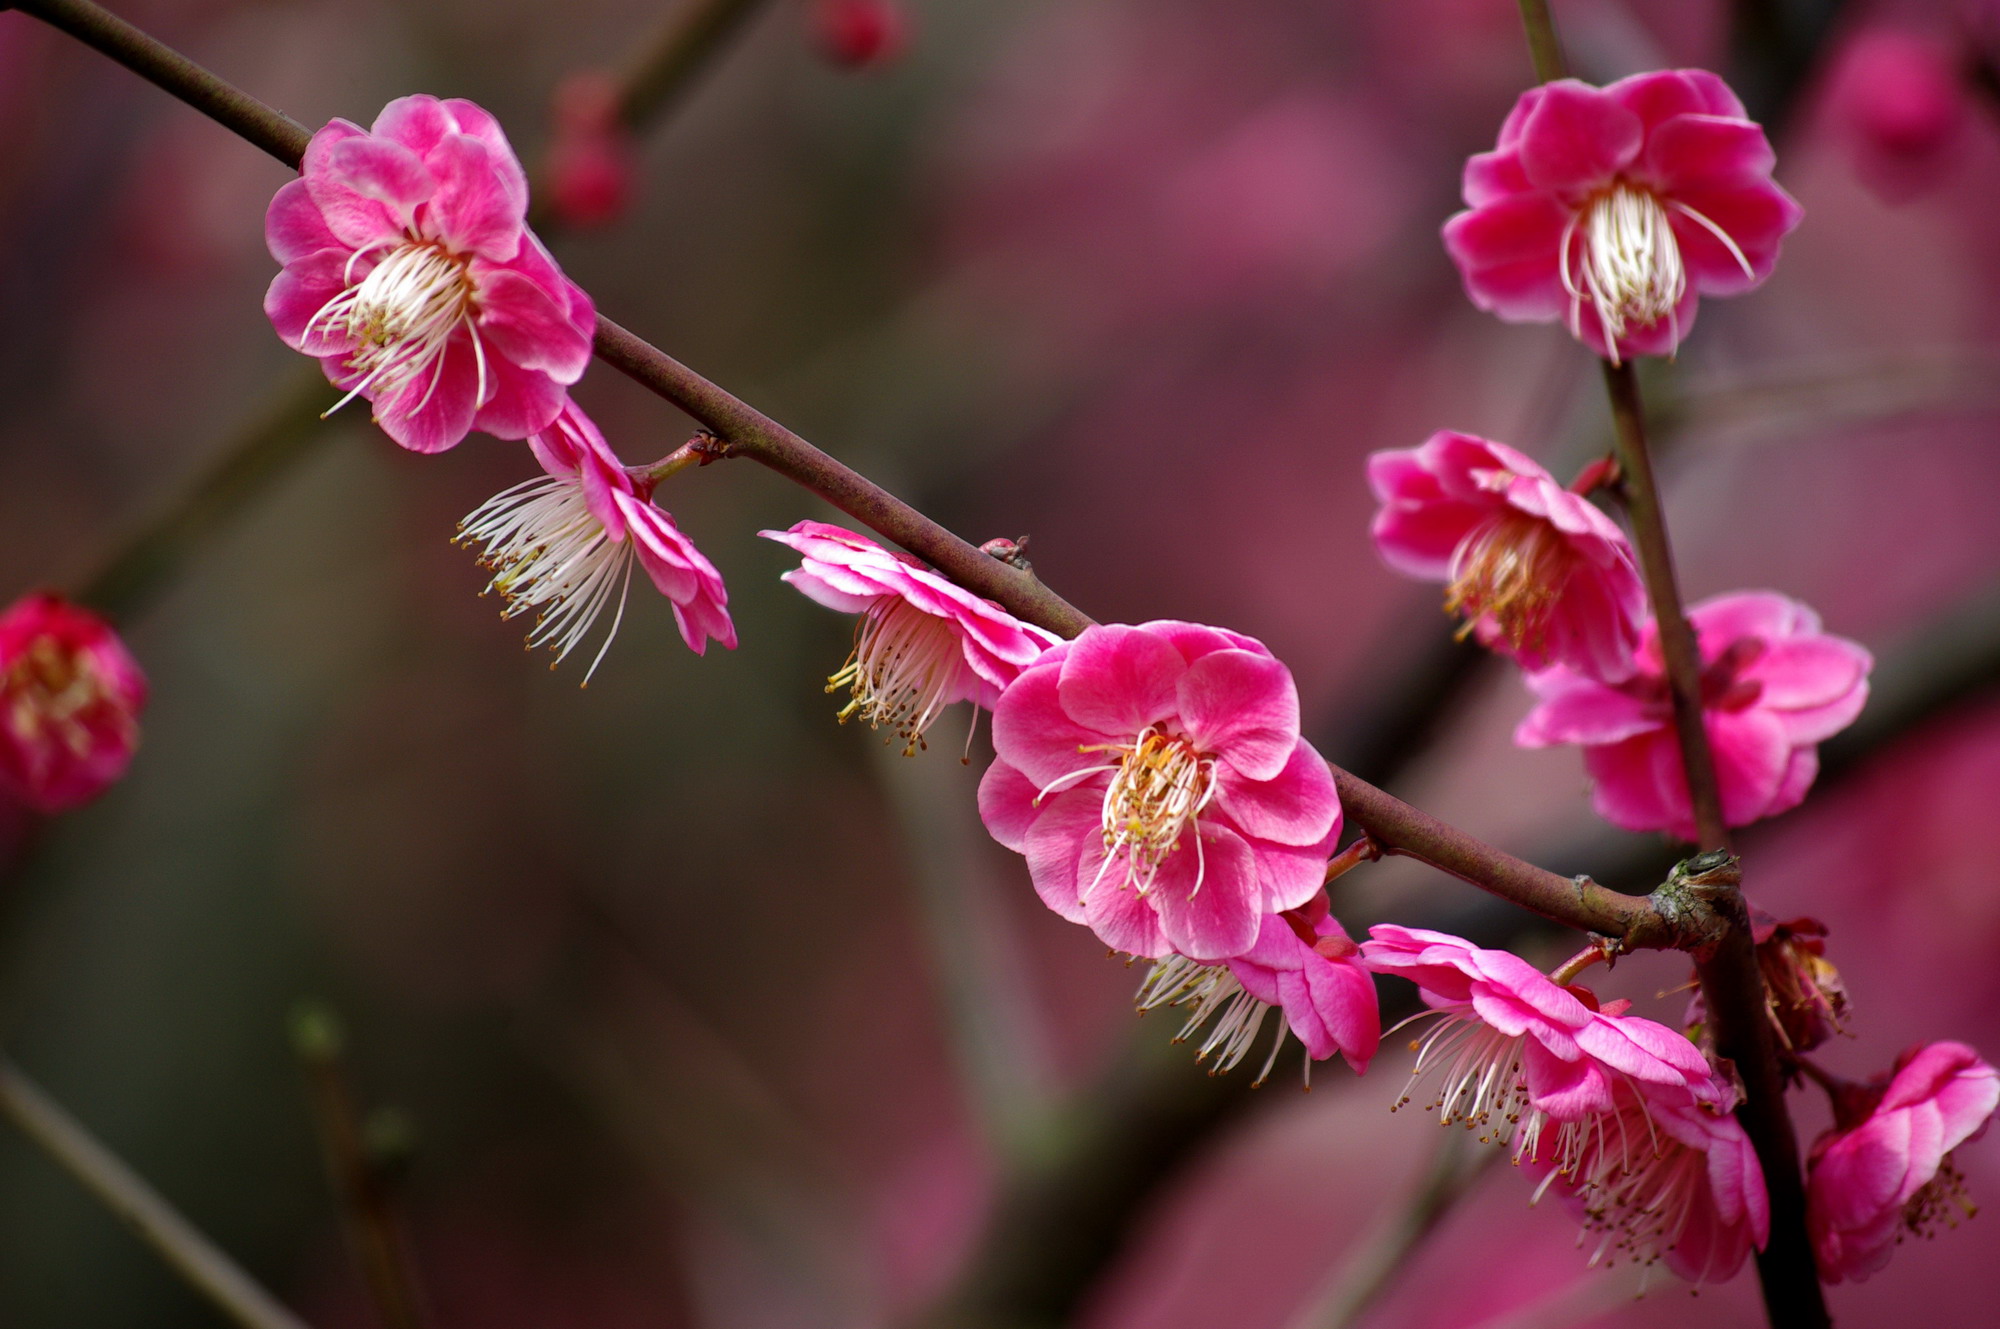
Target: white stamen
1210	990
1159	788
907	666
402	316
1629	266
549	553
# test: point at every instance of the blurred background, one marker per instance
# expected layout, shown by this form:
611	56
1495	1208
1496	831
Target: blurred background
696	1009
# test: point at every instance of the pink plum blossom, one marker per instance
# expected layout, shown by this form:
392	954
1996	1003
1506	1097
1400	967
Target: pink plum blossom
1536	570
590	165
1615	209
411	275
1514	1052
563	545
1155	779
1662	1176
1302	964
1902	103
1886	1169
70	700
1774	687
923	642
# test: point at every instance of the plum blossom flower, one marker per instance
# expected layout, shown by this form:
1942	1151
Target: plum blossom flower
411	275
563	545
1615	209
70	700
1155	779
1885	1170
923	642
1302	964
1535	570
1661	1176
590	166
1804	996
1521	1058
1774	686
1899	96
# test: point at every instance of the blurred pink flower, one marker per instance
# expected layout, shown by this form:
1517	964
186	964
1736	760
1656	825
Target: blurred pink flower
1155	779
1899	98
860	33
1516	1052
1775	686
1616	208
563	545
923	642
1662	1176
409	272
70	698
1303	964
590	167
1536	570
1886	1169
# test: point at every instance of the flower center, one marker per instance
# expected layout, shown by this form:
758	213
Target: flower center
1629	265
1479	1076
1512	570
1639	1185
1161	785
401	317
1940	1202
52	692
907	666
551	554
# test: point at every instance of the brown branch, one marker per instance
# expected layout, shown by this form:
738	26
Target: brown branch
696	32
121	1190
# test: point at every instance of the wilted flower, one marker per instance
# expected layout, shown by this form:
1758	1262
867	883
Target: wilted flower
70	698
1885	1170
1304	965
1535	570
1614	209
1661	1176
563	545
1774	686
923	642
409	272
1155	779
1517	1055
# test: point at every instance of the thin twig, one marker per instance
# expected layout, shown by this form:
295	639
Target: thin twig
367	1209
694	34
1543	44
190	1254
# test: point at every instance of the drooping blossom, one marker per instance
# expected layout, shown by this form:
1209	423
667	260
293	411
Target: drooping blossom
411	275
1774	687
923	642
70	700
1615	209
1516	1055
589	165
1804	997
1304	965
563	545
1155	779
860	34
1535	570
1661	1176
1885	1171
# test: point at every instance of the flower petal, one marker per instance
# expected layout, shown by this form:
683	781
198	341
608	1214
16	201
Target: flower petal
1242	708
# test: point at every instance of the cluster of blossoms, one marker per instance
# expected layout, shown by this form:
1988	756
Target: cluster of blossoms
409	272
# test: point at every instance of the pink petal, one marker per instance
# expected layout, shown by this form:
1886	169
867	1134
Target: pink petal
1805	673
1118	680
1055	844
472	210
418	122
1208	900
1751	756
1508	254
1244	709
1755	218
369	190
1342	995
434	411
1705	151
1723	619
521	401
1122	918
1578	138
1298	806
1033	733
1290	876
1657	96
293	226
1586	712
297	294
1567	1090
523	322
1194	640
1007	805
1492	176
1628	791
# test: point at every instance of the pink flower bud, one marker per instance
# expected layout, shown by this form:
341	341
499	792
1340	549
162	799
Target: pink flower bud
1899	98
590	168
70	698
858	34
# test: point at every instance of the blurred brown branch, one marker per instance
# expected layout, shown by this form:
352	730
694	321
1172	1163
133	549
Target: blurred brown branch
190	1254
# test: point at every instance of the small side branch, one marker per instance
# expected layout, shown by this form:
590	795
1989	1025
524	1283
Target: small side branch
187	1252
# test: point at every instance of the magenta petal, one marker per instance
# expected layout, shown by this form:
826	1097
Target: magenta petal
1118	680
522	322
1578	138
1297	806
1692	151
1208	898
1122	918
1660	95
1033	733
1508	253
520	401
1585	711
1242	708
1751	756
1290	876
472	212
434	411
1567	1090
1754	218
1054	847
293	225
300	290
1342	997
418	122
1007	805
370	189
1805	673
1628	791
